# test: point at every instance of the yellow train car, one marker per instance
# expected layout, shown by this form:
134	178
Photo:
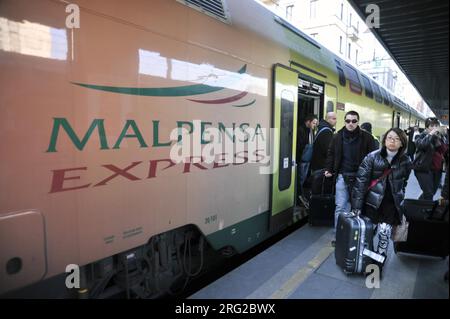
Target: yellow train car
91	93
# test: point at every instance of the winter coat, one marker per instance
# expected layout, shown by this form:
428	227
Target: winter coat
426	145
322	141
334	156
372	168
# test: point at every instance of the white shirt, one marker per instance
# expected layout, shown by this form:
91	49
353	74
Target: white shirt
390	155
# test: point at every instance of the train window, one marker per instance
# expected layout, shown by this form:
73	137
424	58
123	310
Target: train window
376	90
340	72
367	87
341	76
385	96
330	106
286	133
352	76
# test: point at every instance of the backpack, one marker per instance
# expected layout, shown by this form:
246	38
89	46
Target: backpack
321	130
308	150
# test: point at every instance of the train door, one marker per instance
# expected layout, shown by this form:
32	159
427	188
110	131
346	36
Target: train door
310	101
284	118
396	119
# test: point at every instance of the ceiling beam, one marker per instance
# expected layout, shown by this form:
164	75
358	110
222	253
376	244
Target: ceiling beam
415	34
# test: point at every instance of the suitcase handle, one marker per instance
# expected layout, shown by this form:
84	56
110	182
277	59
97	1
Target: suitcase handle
332	187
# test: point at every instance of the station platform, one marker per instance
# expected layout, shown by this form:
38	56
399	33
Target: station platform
302	266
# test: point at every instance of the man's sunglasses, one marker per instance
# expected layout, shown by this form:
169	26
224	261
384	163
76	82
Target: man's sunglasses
351	121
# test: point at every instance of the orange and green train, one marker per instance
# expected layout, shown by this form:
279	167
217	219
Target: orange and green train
88	188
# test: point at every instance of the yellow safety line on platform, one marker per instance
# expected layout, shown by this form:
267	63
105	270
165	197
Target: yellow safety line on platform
300	276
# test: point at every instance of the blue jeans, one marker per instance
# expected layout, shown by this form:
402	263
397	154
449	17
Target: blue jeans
342	199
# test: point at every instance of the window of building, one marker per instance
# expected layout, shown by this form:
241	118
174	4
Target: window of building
312	8
356	56
289	10
352	76
349	51
350	20
367	87
342	11
340	44
376	90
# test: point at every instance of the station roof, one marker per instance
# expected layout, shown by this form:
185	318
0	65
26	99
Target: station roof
415	33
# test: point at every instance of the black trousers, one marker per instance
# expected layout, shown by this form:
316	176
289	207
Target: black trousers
429	183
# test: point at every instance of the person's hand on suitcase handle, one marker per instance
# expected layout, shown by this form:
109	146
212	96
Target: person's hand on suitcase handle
357	212
328	174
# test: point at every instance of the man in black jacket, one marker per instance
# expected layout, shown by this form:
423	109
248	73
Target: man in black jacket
347	150
322	141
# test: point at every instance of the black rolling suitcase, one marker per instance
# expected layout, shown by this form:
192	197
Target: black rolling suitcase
354	243
427	231
322	205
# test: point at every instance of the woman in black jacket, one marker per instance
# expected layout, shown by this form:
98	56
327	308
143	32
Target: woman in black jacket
380	185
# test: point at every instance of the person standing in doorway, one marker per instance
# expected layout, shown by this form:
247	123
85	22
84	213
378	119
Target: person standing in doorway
305	138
